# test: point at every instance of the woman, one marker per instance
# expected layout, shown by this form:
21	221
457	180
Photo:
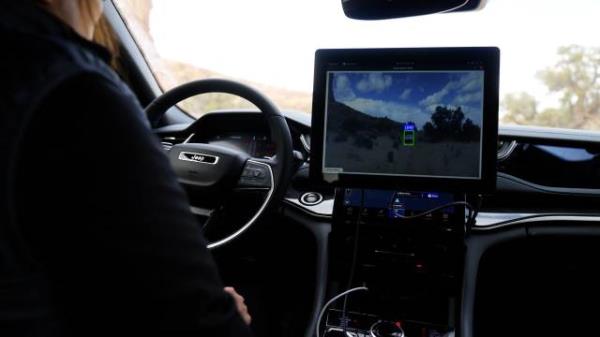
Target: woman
96	234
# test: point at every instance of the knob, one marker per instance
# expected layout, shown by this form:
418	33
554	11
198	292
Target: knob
311	198
386	329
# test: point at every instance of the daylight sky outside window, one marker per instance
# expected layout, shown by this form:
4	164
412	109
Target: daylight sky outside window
271	44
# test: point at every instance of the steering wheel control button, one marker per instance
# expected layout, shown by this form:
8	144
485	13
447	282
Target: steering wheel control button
255	175
311	198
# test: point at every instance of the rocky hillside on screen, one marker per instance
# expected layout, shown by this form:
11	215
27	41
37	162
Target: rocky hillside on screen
344	122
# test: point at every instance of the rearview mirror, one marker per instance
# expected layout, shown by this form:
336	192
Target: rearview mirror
390	9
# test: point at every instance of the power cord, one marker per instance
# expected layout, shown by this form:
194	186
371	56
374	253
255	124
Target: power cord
354	259
335	298
439	208
472	219
454	8
471	216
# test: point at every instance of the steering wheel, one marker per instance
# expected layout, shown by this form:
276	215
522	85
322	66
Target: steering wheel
214	171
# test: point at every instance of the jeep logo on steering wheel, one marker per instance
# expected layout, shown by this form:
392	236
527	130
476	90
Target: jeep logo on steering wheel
198	158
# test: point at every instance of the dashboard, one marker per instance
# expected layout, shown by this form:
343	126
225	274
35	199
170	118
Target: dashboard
257	144
532	190
246	131
530	162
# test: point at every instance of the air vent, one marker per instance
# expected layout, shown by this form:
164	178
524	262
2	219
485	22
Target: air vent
505	149
167	146
305	141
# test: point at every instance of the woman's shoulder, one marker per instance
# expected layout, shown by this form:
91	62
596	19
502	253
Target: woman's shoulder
40	52
91	96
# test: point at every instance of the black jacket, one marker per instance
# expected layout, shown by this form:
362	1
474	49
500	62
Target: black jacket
96	237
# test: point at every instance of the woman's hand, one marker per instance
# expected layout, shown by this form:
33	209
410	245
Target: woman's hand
240	304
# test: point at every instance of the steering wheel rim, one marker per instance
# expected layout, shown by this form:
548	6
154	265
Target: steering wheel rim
279	168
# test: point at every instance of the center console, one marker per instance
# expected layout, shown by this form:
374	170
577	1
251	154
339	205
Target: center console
412	268
391	128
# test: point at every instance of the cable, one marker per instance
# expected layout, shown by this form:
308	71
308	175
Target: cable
473	216
454	8
335	298
433	210
356	235
354	258
373	334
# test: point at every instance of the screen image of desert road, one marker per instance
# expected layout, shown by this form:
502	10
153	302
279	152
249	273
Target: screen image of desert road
407	123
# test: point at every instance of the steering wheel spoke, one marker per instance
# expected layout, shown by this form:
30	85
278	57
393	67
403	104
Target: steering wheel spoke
200	211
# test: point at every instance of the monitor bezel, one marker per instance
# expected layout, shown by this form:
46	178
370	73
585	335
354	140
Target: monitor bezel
488	58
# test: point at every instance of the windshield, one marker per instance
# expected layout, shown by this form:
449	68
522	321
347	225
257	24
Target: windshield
549	65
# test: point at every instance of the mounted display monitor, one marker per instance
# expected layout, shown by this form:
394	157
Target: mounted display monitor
406	118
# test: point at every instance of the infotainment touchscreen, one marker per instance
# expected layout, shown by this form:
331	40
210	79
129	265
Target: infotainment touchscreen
384	204
424	118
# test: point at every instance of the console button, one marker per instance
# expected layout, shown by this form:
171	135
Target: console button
311	198
387	329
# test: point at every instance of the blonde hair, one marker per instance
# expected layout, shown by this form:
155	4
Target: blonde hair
105	36
103	33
